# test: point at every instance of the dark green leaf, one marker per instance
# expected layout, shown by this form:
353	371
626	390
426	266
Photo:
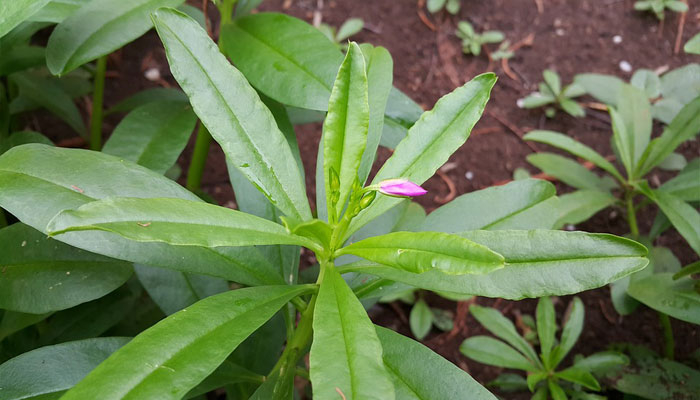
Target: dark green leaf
420	374
490	351
148	96
677	298
158	363
54	369
19	58
345	353
500	326
97	29
420	320
41	275
232	112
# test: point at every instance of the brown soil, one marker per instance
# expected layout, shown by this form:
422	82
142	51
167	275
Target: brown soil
570	37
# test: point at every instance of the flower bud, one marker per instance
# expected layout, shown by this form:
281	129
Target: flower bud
400	188
367	200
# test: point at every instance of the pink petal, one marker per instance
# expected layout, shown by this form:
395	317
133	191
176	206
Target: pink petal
401	187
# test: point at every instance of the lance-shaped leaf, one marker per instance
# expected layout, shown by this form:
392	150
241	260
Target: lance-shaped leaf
153	135
147	96
524	204
232	112
175	221
546	327
47	372
48	94
419	373
634	109
430	142
41	275
570	332
574	147
346	356
501	326
345	127
37	182
677	298
174	290
173	356
538	263
685	185
379	78
99	28
488	350
418	252
684	217
580	205
57	10
12	13
604	88
684	126
22	57
569	171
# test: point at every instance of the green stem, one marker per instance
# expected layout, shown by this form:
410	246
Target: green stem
199	159
298	343
631	215
669	343
299	371
226	11
97	100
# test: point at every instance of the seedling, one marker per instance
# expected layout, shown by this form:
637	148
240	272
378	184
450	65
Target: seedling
658	7
551	92
545	378
472	42
452	6
503	52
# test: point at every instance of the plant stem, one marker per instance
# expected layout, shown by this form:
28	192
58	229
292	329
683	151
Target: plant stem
97	100
302	372
631	215
669	343
199	159
297	344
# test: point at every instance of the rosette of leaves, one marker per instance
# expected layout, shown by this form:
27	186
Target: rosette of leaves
102	210
658	7
552	92
472	42
545	377
452	6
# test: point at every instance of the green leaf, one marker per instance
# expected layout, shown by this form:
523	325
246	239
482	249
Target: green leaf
579	377
574	147
684	126
501	326
401	113
673	162
232	112
47	94
490	351
12	13
147	96
419	252
604	88
581	205
37	182
175	290
688	270
420	374
350	27
379	78
568	171
302	78
509	383
41	275
684	217
98	28
54	369
552	80
534	378
346	355
12	322
573	325
524	204
677	298
572	108
57	10
648	81
599	363
692	46
158	363
153	135
546	328
536	100
19	58
345	127
175	221
556	391
435	5
23	137
431	141
420	320
635	111
538	263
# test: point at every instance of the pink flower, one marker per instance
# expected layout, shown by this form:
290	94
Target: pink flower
400	188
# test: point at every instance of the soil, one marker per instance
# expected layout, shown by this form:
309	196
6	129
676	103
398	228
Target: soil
570	37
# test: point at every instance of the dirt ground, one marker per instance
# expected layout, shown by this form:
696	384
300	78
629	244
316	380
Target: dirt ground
570	37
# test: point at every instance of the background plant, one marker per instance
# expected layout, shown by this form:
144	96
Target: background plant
350	27
658	7
552	92
472	42
452	6
544	377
